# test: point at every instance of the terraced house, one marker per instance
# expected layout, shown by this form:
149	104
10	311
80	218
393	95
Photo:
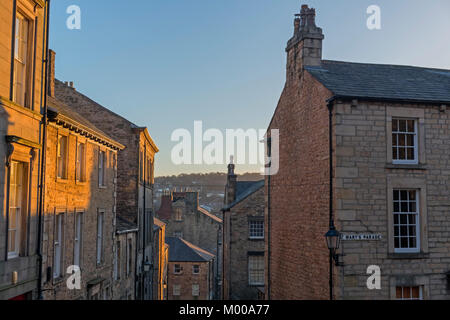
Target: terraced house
135	177
23	44
383	133
80	203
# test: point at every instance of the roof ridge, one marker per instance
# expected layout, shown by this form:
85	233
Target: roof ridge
384	64
101	106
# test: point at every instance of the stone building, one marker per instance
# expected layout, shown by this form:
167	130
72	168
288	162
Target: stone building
79	205
184	218
22	42
124	260
135	176
243	238
161	263
389	131
191	271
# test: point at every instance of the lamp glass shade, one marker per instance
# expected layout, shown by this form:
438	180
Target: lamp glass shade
333	239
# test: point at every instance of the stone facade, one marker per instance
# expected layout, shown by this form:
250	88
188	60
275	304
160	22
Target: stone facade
364	180
20	123
124	261
243	239
135	174
84	200
161	264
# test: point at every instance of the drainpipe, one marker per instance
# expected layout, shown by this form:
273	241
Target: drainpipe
143	224
330	104
43	152
269	150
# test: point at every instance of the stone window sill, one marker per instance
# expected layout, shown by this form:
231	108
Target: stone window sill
399	256
406	166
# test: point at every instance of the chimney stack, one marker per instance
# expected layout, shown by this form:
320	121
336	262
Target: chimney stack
230	188
305	47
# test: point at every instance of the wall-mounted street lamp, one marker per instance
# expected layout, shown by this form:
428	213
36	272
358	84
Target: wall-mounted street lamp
333	238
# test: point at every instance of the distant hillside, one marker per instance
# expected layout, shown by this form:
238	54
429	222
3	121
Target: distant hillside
203	179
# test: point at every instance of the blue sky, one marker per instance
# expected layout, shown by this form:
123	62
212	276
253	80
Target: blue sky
166	63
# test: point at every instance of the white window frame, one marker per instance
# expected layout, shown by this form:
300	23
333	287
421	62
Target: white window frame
250	229
176	290
195	290
416	141
417	224
16	190
22	55
252	268
421	296
58	254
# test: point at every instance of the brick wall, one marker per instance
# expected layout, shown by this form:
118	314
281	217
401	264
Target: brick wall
186	279
299	193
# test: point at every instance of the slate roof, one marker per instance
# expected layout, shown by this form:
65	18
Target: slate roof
181	250
124	226
244	189
383	82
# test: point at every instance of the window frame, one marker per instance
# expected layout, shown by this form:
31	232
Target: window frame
175	269
64	161
408	183
27	15
259	255
176	290
58	240
417	114
255	220
102	159
194	267
416	249
195	290
410	288
416	141
21	219
82	169
100	237
78	238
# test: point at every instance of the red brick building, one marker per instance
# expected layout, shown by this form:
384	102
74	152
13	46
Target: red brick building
191	271
388	159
